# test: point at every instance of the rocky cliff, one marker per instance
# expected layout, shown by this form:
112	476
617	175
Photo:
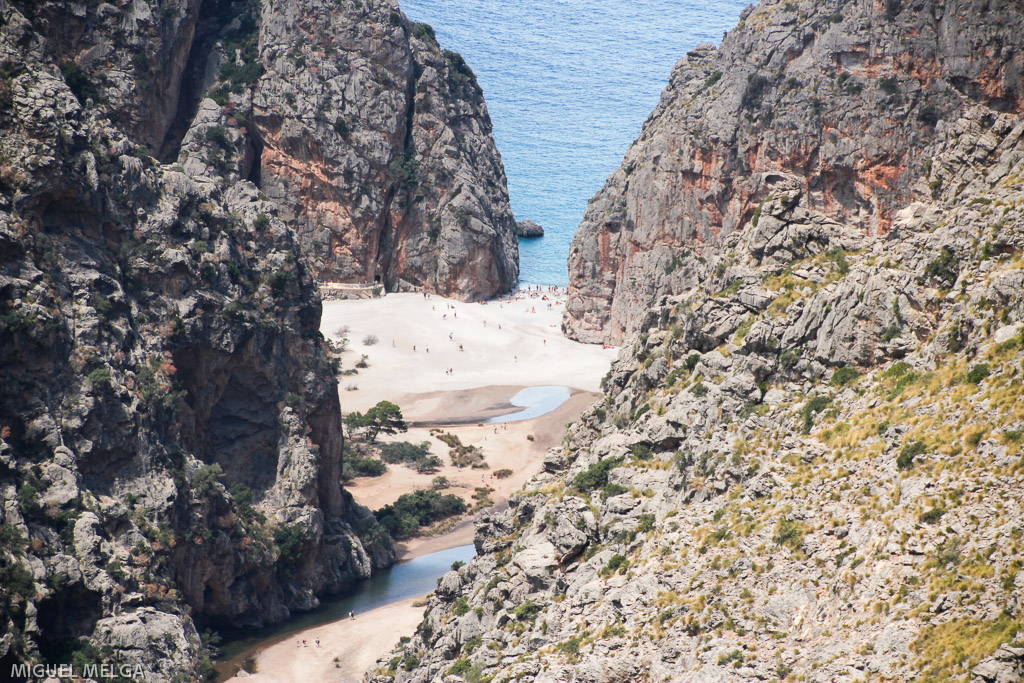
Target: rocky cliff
808	467
838	100
375	143
170	435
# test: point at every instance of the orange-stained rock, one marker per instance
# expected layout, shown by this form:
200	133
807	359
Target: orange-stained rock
841	105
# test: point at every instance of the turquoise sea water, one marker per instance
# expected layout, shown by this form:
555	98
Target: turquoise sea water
568	85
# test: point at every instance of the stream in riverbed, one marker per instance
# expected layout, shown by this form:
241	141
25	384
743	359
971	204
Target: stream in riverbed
534	401
408	579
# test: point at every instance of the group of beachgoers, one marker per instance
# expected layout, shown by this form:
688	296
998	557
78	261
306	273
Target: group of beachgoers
549	294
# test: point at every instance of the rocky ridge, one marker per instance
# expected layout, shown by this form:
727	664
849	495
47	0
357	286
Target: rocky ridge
808	466
837	100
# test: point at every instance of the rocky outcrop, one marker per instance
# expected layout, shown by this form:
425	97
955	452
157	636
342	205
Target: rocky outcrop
170	434
806	467
529	229
375	143
837	101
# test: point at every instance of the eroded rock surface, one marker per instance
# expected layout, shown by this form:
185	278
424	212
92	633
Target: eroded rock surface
170	433
807	466
834	104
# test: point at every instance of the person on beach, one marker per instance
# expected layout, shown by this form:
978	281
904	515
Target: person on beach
449	336
351	614
317	642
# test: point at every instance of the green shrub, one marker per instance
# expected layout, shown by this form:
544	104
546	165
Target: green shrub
944	268
424	32
404	452
897	370
279	281
931	516
28	499
691	361
815	404
755	90
571	646
79	83
17	581
104	306
11	538
503	474
405	516
204	480
789	533
609	490
889	85
595	476
462	666
356	466
288	540
402	170
843	376
978	373
617	563
929	115
838	256
99	378
905	460
641	451
460	607
527	611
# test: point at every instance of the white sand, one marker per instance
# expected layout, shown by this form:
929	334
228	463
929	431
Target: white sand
528	350
348	647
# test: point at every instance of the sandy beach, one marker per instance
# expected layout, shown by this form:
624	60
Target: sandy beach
348	647
508	342
506	345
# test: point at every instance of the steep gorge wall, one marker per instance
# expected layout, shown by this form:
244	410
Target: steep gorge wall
170	434
836	100
806	468
376	144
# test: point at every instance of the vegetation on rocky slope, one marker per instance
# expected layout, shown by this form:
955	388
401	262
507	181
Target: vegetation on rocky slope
808	467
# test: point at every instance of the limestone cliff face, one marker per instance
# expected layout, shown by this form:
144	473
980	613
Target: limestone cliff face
807	467
170	436
837	101
377	144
